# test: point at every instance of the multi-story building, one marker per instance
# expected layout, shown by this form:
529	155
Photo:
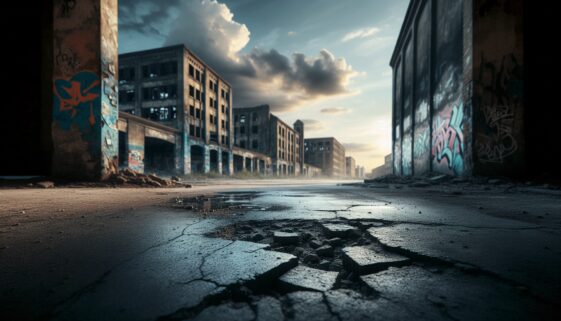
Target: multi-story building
256	129
176	88
326	153
350	166
359	172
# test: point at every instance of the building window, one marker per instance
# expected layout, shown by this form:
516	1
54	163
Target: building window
255	129
191	71
254	116
192	91
223	94
127	74
192	110
211	102
198	75
160	92
192	130
160	113
242	143
242	130
223	124
254	144
223	109
198	112
127	96
242	119
159	69
197	94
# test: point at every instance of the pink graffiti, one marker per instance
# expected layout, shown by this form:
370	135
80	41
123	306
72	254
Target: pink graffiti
448	140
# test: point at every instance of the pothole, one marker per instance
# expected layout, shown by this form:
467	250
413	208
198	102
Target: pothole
225	203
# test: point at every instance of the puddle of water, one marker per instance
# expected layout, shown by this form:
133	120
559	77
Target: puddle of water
226	202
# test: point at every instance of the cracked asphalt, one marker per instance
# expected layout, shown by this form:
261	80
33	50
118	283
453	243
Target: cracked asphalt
446	252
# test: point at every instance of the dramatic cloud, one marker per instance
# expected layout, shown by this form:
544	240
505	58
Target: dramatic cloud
312	125
360	33
334	111
259	76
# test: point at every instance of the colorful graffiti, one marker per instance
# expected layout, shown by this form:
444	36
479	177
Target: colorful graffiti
406	152
422	143
75	98
501	97
448	140
136	158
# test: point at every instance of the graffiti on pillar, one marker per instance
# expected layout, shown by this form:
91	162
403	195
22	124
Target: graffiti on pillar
136	158
75	98
448	139
67	60
501	96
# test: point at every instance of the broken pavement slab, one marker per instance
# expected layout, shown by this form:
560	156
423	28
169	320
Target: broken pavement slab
338	229
286	238
363	260
307	278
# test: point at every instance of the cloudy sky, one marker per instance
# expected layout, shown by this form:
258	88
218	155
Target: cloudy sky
322	61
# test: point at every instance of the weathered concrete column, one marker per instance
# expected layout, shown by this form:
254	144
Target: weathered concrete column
220	161
206	160
85	110
230	163
135	147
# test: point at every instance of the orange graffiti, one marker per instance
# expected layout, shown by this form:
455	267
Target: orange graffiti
78	97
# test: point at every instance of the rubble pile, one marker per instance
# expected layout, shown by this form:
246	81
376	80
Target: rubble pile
128	176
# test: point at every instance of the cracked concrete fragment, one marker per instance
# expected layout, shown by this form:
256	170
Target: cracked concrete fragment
350	305
239	263
306	278
338	230
286	237
363	260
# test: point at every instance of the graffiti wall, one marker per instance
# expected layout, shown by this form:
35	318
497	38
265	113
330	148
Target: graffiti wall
448	137
407	142
85	110
498	77
397	119
421	135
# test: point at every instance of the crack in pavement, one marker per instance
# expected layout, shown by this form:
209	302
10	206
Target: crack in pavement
90	287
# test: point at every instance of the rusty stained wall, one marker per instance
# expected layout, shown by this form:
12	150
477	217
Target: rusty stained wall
498	87
85	110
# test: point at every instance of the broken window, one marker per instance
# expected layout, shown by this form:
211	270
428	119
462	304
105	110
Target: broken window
191	71
192	130
159	92
160	113
192	110
126	74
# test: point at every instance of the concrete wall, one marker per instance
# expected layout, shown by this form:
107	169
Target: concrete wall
466	59
498	66
85	109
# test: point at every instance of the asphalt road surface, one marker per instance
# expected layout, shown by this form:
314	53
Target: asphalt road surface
280	250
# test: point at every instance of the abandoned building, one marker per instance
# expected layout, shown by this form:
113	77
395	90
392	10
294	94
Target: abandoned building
350	166
257	129
175	88
468	96
326	153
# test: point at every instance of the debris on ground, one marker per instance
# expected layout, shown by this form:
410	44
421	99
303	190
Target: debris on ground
128	176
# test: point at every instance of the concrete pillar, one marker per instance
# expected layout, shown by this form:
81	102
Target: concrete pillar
85	109
244	164
220	161
252	164
206	160
135	147
230	163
